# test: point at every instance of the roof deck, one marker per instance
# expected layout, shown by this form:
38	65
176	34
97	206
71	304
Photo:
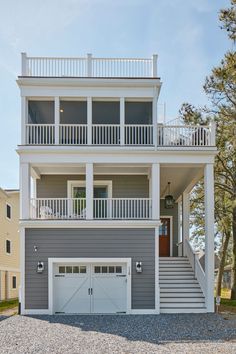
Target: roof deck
88	67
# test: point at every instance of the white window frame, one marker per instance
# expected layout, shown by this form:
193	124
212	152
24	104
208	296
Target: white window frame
76	183
8	253
8	204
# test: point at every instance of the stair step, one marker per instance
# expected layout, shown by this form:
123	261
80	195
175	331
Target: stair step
174	294
176	277
177	272
179	285
178	267
164	300
178	281
183	310
182	305
173	258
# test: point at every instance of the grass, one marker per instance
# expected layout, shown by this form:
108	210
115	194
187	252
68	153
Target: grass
9	304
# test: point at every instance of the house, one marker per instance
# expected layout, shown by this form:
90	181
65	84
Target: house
103	183
9	244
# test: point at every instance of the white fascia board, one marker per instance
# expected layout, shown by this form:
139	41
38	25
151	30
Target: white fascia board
116	224
64	156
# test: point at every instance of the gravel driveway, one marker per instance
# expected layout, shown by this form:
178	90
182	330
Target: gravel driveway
195	333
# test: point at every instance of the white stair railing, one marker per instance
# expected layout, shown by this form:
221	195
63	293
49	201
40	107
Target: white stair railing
73	134
40	134
122	208
58	208
196	265
138	134
105	134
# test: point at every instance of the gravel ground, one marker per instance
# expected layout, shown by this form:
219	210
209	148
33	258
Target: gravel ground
185	333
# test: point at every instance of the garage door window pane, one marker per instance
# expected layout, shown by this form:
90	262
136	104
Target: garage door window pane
111	269
76	269
61	269
97	269
118	269
82	269
68	269
104	269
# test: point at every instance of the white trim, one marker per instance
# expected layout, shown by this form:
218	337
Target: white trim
35	312
22	269
145	312
82	183
171	231
51	261
89	223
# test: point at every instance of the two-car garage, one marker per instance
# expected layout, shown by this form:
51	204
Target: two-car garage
90	287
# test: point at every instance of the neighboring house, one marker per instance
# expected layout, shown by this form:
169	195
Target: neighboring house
227	277
9	244
99	221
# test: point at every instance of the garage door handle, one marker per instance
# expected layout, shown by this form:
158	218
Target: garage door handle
123	275
89	291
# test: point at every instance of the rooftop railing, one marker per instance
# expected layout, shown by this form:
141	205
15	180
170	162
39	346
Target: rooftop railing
89	67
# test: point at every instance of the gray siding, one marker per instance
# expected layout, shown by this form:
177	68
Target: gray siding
123	186
172	212
138	244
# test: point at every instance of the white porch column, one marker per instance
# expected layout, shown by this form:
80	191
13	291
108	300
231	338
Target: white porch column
89	191
155	186
89	120
185	219
209	235
154	117
180	236
56	118
24	191
24	119
122	121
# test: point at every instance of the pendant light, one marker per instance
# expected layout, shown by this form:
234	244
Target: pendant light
169	199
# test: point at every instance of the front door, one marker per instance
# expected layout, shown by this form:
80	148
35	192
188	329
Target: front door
164	238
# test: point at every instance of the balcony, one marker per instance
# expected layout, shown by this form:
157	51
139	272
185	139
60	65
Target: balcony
89	67
103	208
120	135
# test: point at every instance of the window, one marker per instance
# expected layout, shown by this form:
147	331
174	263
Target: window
8	246
8	211
75	269
14	282
108	269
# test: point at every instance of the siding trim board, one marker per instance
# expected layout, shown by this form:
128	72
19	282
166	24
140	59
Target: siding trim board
137	244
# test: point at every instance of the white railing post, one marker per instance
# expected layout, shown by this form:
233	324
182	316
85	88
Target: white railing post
24	119
122	121
57	119
89	191
154	118
89	120
89	65
212	127
185	218
155	181
24	190
24	71
154	65
209	234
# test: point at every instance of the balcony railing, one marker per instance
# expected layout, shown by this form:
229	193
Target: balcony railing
104	208
89	67
128	135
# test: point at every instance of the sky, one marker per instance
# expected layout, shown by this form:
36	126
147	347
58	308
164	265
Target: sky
185	34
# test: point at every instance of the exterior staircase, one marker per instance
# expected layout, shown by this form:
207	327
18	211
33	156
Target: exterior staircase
180	291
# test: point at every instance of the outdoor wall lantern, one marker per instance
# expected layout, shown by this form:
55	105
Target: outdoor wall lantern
169	199
40	267
35	248
139	267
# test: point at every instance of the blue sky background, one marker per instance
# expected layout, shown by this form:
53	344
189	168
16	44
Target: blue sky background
184	33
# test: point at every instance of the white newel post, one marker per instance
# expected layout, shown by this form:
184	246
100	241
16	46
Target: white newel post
89	191
154	65
122	121
57	119
23	64
89	65
24	191
180	236
24	119
185	218
155	184
89	120
154	117
209	235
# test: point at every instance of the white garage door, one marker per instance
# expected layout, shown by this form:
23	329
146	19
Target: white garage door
90	288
